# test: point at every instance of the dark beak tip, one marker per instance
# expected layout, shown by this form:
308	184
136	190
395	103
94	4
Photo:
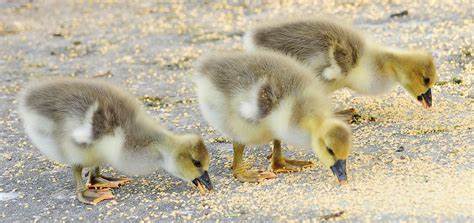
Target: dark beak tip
426	98
208	185
205	180
339	170
342	179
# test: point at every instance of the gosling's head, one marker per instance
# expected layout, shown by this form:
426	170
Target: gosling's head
189	161
417	74
332	143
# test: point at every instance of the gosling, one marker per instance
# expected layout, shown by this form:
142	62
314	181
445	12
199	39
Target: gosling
254	98
341	57
87	124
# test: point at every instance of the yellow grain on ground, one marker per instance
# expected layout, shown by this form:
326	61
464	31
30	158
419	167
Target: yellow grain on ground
408	164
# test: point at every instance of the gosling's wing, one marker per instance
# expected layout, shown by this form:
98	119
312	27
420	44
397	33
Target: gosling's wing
254	82
319	43
87	109
301	39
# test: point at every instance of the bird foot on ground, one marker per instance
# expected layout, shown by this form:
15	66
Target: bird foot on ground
252	176
107	182
94	196
288	166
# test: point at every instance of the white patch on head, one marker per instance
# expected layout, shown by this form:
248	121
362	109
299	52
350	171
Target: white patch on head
249	45
83	133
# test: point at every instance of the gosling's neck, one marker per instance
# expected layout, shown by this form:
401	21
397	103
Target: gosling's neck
314	124
388	62
147	147
376	72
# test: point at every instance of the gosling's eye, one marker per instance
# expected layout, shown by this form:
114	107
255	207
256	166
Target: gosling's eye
426	80
197	163
330	151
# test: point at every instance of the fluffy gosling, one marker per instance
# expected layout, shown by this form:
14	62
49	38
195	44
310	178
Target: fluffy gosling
254	98
342	57
91	123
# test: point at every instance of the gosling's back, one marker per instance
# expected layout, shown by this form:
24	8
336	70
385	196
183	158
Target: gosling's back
234	72
61	99
306	39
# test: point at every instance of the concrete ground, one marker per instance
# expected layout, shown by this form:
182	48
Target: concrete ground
408	163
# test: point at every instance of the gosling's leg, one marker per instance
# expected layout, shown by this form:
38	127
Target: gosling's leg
99	181
241	170
86	195
280	164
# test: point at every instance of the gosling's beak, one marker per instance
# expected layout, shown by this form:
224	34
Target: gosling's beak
425	98
339	170
204	180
